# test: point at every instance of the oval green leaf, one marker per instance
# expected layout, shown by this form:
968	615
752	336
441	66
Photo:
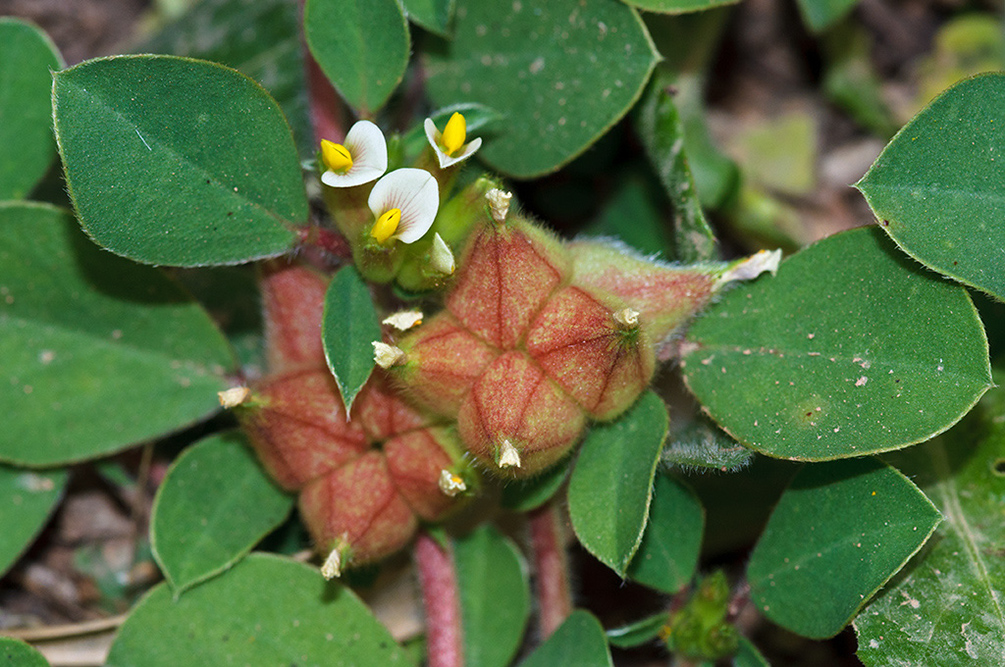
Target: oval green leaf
214	505
27	58
15	653
524	495
946	609
348	331
937	186
850	350
495	597
265	611
579	641
177	161
433	15
677	6
667	558
99	353
27	498
362	47
261	39
612	482
838	533
562	72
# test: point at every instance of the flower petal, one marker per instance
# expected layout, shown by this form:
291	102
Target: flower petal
413	191
368	148
434	136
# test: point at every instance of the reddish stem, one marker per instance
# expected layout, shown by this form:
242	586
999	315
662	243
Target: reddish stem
551	562
323	102
441	600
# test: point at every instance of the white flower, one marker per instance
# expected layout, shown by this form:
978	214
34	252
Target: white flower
363	157
405	204
449	145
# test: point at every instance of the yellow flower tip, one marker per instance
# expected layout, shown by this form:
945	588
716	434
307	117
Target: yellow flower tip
335	156
386	225
450	484
454	134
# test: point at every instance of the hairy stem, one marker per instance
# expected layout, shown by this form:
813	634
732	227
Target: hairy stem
551	563
441	601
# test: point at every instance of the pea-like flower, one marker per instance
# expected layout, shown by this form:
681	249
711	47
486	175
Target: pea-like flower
405	204
449	145
361	159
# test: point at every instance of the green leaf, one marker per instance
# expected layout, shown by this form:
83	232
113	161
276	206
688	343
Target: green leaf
839	532
524	495
579	641
748	655
946	606
661	130
433	15
15	653
633	214
177	161
562	72
265	611
260	39
348	331
214	505
27	56
850	350
495	597
27	499
821	14
99	353
612	481
678	6
667	558
937	187
362	46
640	632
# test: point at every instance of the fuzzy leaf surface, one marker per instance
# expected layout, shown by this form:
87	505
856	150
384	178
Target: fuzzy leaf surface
850	350
562	72
937	186
99	353
611	485
495	597
177	161
667	558
260	39
27	56
214	505
27	498
267	610
348	330
579	641
946	606
661	130
362	47
837	534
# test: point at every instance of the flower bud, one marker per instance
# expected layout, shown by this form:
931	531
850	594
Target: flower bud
293	298
592	351
514	401
443	361
357	509
507	273
297	425
416	461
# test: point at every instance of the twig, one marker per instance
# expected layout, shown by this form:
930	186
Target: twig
441	600
552	566
50	632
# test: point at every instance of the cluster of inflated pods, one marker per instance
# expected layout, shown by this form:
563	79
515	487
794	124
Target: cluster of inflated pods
534	338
